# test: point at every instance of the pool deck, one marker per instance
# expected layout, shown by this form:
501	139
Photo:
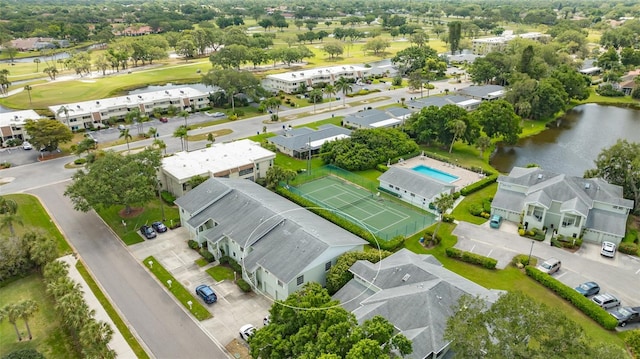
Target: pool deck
465	177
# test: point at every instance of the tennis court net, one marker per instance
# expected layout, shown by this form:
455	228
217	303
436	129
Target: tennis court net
355	202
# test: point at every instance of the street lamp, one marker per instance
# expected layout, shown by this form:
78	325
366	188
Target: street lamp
530	251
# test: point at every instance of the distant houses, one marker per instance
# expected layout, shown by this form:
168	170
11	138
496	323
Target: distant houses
483	46
373	118
300	142
469	98
38	43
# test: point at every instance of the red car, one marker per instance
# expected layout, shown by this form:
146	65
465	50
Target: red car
164	119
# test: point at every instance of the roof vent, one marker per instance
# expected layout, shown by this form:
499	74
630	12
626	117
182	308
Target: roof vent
128	99
140	96
167	92
406	277
98	103
540	176
587	185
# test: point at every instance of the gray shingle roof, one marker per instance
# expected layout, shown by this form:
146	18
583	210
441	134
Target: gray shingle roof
297	139
284	238
437	101
367	117
607	222
414	292
414	182
480	91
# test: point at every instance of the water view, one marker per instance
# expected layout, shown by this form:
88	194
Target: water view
572	145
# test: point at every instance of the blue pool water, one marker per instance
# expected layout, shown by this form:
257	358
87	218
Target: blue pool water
435	174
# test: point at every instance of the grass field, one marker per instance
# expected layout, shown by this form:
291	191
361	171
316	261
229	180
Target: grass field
181	293
384	218
220	273
461	212
48	337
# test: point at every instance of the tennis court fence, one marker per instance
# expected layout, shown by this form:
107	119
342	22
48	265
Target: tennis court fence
330	170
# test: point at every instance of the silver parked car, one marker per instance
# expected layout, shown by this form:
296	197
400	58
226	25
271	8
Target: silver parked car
550	266
606	300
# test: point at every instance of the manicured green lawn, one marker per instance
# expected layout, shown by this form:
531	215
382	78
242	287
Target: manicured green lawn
463	154
130	233
48	337
461	212
181	293
296	164
106	304
34	216
220	273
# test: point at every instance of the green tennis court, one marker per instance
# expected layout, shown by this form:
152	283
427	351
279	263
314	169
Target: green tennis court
384	217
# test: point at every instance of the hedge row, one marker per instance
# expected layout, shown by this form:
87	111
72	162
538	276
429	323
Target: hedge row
472	258
474	187
628	248
389	245
581	302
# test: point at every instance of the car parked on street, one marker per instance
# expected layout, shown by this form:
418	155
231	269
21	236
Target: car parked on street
550	266
247	331
159	227
26	146
164	119
206	293
626	315
495	221
147	232
588	289
608	249
606	300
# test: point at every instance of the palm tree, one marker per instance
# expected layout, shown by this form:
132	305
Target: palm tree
153	132
28	89
11	312
65	110
331	91
182	133
37	62
483	142
4	80
54	271
27	309
161	145
94	337
127	136
343	85
184	114
457	127
443	203
9	212
133	117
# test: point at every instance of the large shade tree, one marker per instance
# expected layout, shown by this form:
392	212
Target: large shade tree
498	118
516	326
309	324
620	165
116	180
232	82
47	134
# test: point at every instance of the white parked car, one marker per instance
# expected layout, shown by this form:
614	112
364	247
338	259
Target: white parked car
247	331
608	249
26	146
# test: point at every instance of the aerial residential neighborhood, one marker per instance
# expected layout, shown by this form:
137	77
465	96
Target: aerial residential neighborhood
319	180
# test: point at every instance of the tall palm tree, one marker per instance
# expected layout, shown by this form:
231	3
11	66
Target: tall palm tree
184	114
443	203
94	337
483	142
331	91
127	136
182	133
37	62
28	89
9	212
54	271
65	110
27	309
457	127
161	145
4	80
133	116
11	313
153	132
343	85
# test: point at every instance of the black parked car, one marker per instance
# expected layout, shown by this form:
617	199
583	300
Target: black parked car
159	227
626	315
148	232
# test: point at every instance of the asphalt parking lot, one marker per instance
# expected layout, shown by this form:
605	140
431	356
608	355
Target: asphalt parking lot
233	309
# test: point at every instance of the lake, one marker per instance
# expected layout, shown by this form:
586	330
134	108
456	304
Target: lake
573	145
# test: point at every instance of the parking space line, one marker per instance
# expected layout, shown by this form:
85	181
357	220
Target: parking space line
561	275
489	254
638	271
177	256
472	248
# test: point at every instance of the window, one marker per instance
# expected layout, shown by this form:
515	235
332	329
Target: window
568	221
246	171
413	195
300	280
280	283
537	212
390	186
327	266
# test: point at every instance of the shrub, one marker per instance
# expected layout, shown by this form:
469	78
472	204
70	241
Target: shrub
428	237
628	248
447	218
456	195
207	255
339	273
382	168
232	263
632	339
566	242
80	161
472	258
243	285
478	185
486	205
521	232
581	302
167	197
193	244
475	209
523	259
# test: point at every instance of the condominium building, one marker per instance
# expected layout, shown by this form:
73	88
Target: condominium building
491	44
289	82
12	124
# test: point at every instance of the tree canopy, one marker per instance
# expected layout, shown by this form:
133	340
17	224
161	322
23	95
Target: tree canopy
516	326
47	134
367	147
309	324
114	179
498	118
620	165
438	125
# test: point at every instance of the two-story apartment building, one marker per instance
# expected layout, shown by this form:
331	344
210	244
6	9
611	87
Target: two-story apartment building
95	113
280	245
12	124
243	159
289	82
589	208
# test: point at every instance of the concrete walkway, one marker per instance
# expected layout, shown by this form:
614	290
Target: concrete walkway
117	343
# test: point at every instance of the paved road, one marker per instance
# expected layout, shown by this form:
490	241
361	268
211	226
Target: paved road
162	325
619	276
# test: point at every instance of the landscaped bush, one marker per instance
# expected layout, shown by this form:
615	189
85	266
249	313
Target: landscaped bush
632	339
232	263
534	233
475	209
472	258
523	260
193	244
80	161
243	285
207	255
474	187
447	218
566	242
628	248
167	197
581	302
456	195
609	91
382	168
339	273
486	205
430	239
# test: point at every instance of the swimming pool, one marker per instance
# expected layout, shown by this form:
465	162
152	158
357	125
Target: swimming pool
435	174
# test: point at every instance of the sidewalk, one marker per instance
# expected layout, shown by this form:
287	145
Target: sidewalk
118	344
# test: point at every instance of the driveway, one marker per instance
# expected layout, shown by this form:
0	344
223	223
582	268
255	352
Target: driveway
619	276
161	324
233	309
